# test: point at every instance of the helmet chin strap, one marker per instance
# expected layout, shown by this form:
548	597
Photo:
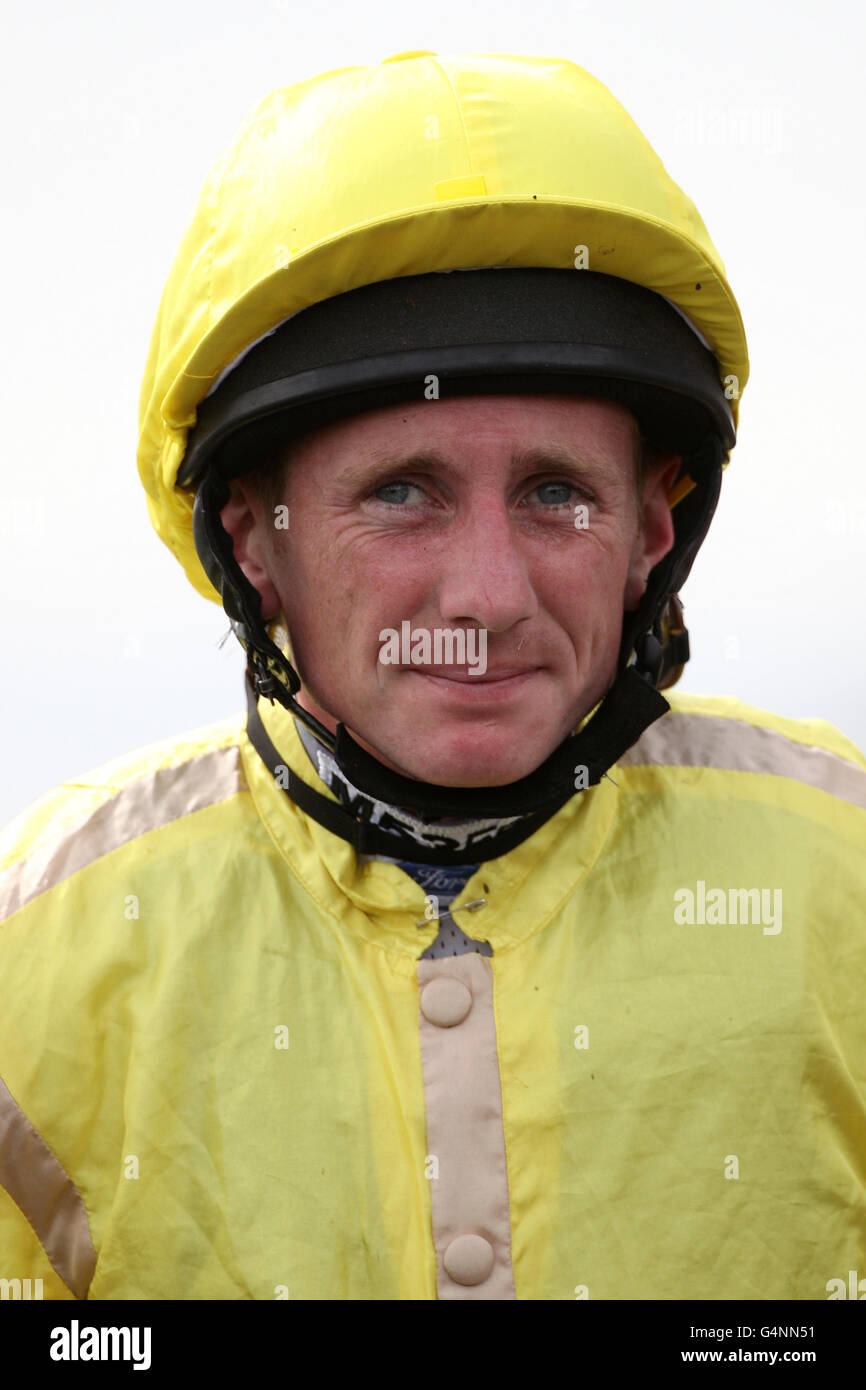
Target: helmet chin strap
580	761
532	801
562	773
631	704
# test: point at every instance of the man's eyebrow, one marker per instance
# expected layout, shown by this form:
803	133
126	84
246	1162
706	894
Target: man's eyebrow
540	456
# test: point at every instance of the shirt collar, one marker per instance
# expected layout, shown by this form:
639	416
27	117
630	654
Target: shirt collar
379	903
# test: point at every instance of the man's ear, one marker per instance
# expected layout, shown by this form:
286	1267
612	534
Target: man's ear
656	534
245	520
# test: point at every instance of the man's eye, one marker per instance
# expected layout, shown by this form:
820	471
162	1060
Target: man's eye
397	491
566	493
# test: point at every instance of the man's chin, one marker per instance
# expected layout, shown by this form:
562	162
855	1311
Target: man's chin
495	751
468	767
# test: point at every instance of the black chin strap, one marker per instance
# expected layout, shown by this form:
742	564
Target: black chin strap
630	706
350	824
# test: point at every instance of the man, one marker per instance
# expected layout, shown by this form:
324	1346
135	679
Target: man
466	965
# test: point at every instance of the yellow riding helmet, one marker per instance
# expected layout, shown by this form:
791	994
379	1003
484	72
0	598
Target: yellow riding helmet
421	163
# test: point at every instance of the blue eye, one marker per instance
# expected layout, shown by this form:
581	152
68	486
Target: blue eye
565	488
395	487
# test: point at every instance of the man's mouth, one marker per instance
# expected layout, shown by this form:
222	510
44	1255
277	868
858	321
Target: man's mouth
462	685
491	674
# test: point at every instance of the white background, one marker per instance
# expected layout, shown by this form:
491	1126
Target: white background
112	115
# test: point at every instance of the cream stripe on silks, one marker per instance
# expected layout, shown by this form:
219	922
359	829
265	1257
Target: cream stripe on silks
39	1184
463	1102
731	745
152	801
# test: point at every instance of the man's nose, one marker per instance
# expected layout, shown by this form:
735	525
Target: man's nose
485	578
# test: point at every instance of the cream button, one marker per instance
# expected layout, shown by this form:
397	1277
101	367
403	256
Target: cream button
469	1259
445	1001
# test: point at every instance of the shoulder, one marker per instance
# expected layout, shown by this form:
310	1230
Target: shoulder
88	816
725	735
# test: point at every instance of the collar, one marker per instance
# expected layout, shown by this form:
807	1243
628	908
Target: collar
377	903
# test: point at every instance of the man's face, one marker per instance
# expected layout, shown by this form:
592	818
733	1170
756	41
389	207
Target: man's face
513	514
